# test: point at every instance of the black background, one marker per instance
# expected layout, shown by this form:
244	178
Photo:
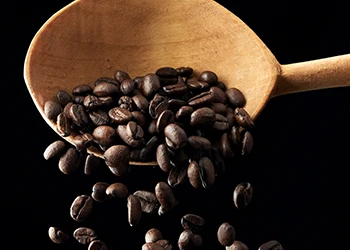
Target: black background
298	166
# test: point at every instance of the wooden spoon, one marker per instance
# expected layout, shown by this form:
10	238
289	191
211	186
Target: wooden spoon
88	39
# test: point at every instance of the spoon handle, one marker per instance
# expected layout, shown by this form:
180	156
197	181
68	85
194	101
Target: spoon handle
324	73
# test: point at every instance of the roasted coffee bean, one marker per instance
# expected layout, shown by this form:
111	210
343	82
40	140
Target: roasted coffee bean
104	135
152	246
140	118
221	85
164	119
55	150
165	243
193	222
84	235
78	99
247	143
195	85
193	174
230	116
237	245
175	136
117	158
123	133
153	235
197	240
221	123
175	104
219	108
271	245
163	158
78	115
93	102
134	210
177	175
148	200
149	151
225	147
184	113
120	115
52	109
63	125
99	117
97	245
242	195
81	207
134	130
218	95
243	118
63	97
92	162
157	105
184	71
177	89
83	141
207	172
141	103
106	89
150	85
235	97
226	234
69	161
82	89
106	79
152	127
57	235
99	193
127	86
117	190
135	154
202	117
126	102
208	76
167	75
178	158
121	75
185	241
202	99
236	135
165	196
67	107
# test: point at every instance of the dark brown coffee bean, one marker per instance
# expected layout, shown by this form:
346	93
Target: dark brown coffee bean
184	71
148	153
177	89
104	135
184	113
152	127
150	85
97	245
69	161
140	118
202	99
177	175
152	246
135	154
221	123
226	234
165	196
207	172
121	75
92	163
236	136
120	115
167	72
193	222
141	103
242	195
235	97
218	95
84	235
134	210
148	200
195	85
82	90
221	85
175	136
99	117
185	241
134	130
219	108
117	157
57	235
78	115
52	109
106	89
202	117
193	174
78	99
107	80
208	76
271	245
157	105
63	97
54	150
63	125
237	245
99	193
225	146
153	235
81	207
247	143
175	104
117	190
163	158
165	243
127	86
131	141
83	141
164	119
243	118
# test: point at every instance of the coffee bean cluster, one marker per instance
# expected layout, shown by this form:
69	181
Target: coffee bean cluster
189	124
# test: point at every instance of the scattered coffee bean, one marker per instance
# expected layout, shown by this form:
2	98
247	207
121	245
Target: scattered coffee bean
271	245
99	193
242	195
153	235
69	161
185	240
237	245
193	222
226	234
148	200
134	210
57	235
117	190
84	235
81	207
165	196
97	245
166	244
55	149
152	246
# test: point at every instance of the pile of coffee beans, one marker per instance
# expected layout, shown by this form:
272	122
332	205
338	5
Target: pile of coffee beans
185	122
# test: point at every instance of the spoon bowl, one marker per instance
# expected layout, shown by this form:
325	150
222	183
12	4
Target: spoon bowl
89	39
